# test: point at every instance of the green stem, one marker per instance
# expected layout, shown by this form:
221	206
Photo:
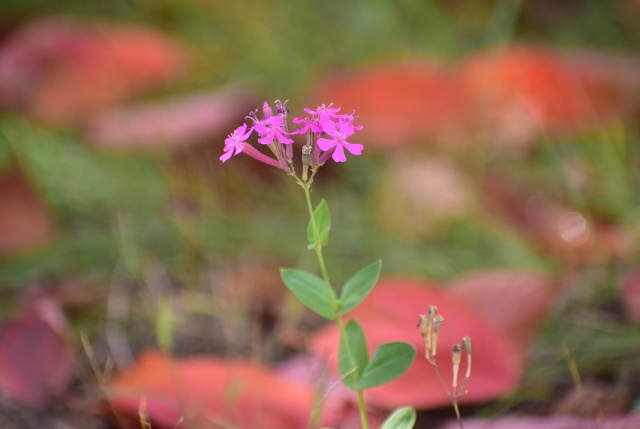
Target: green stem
318	248
455	407
325	275
362	409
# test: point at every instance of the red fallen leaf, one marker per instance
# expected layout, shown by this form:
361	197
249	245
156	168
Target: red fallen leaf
208	391
390	313
515	302
24	221
173	124
400	104
631	293
525	92
557	229
36	357
61	71
630	421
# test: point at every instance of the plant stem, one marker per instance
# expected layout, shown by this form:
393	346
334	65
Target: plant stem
362	409
455	396
318	247
455	407
325	275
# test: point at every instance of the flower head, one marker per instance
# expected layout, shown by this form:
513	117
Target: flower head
272	128
350	118
327	134
338	139
324	111
308	124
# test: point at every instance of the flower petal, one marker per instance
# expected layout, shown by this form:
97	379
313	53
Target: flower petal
267	139
284	139
354	148
326	144
329	127
227	155
338	155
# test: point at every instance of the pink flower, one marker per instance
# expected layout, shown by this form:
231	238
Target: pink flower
272	128
350	118
307	124
327	134
235	142
319	116
325	113
338	140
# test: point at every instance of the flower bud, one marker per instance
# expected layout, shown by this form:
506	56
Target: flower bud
282	109
266	110
425	324
425	330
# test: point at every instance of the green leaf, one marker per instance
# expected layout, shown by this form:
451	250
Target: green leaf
389	361
322	219
353	338
401	418
311	290
358	286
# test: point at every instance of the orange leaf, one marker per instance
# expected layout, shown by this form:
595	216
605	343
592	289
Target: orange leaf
400	104
390	313
524	92
207	391
62	71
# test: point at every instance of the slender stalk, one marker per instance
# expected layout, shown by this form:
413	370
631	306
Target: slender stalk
325	275
444	383
455	407
361	406
453	396
318	248
362	409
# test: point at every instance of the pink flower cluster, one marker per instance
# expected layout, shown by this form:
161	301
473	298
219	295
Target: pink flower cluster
327	133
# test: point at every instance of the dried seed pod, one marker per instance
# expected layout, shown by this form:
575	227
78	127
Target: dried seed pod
466	341
436	329
456	353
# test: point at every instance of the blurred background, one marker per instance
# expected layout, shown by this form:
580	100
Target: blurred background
500	136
